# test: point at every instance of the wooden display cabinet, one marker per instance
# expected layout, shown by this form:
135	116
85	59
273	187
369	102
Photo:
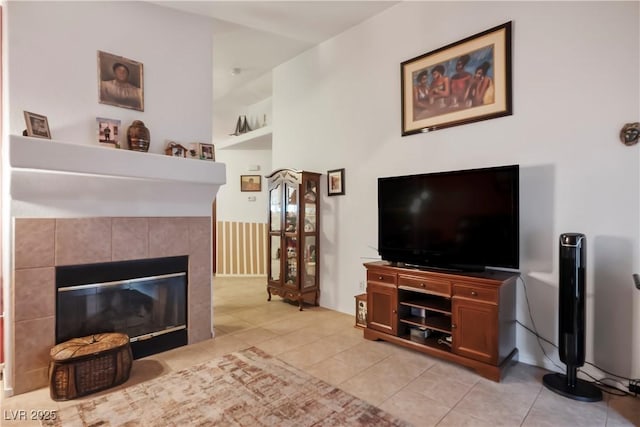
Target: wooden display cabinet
293	244
467	318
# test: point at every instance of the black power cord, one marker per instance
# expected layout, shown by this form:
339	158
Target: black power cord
597	382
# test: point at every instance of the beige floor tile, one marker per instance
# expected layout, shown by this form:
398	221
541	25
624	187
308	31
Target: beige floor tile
255	335
551	409
415	408
381	381
496	407
333	371
217	347
286	342
230	324
439	388
456	419
317	351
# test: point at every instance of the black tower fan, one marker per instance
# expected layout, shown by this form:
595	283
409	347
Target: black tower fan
571	321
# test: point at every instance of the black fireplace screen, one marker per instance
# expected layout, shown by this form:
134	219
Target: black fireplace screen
132	297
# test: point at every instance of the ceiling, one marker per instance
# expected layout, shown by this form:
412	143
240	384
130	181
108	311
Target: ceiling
256	36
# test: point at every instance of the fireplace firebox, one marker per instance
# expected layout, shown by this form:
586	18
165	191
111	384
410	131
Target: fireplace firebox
145	299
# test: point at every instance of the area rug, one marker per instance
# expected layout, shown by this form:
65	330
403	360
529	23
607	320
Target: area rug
245	388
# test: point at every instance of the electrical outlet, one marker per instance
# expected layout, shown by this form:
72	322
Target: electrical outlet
362	285
634	386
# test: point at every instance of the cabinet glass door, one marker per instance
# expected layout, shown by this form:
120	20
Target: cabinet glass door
275	208
309	259
291	262
274	258
291	209
310	196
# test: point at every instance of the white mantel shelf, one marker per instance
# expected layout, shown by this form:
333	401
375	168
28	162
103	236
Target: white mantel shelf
55	178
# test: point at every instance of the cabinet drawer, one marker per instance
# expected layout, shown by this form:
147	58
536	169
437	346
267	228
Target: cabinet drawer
475	292
380	277
434	286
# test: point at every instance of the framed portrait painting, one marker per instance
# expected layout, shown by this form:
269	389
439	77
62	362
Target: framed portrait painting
335	182
120	81
463	82
37	125
250	183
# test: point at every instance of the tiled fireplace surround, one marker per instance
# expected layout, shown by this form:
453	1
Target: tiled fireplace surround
43	244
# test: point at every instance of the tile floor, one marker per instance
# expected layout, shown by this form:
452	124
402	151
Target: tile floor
417	388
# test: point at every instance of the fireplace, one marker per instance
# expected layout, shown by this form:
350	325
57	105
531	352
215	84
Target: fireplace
75	204
145	299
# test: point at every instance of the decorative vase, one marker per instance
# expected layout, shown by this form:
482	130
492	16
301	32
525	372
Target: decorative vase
138	136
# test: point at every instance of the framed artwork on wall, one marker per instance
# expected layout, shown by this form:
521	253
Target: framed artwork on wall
120	81
250	183
463	82
335	182
37	125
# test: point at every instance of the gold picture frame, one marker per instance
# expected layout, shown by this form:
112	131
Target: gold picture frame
250	183
463	82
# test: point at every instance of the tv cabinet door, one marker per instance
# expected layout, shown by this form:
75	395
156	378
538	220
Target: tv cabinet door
475	330
382	308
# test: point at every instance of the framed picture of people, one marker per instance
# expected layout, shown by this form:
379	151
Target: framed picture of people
463	82
120	81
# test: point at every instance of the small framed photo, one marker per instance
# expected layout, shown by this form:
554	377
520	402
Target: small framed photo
361	311
37	125
108	131
207	152
335	182
120	81
250	183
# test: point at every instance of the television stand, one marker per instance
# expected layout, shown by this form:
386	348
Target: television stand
466	318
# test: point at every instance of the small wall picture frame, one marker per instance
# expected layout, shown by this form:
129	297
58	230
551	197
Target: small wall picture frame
250	183
37	125
207	152
335	182
108	132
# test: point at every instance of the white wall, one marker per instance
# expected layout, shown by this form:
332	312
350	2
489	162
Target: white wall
52	51
234	205
575	83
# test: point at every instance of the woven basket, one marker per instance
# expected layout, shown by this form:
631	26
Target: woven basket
89	364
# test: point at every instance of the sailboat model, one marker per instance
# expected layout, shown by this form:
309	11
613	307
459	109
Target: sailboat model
242	126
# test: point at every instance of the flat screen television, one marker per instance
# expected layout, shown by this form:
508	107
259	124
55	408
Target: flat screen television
457	220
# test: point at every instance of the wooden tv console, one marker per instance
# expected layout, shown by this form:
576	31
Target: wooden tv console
476	309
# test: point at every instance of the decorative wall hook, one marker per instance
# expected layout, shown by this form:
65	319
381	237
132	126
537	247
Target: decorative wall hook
630	133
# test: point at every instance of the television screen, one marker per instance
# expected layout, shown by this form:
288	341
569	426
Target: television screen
464	219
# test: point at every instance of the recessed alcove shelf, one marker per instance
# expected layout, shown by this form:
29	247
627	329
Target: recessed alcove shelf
53	178
259	139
